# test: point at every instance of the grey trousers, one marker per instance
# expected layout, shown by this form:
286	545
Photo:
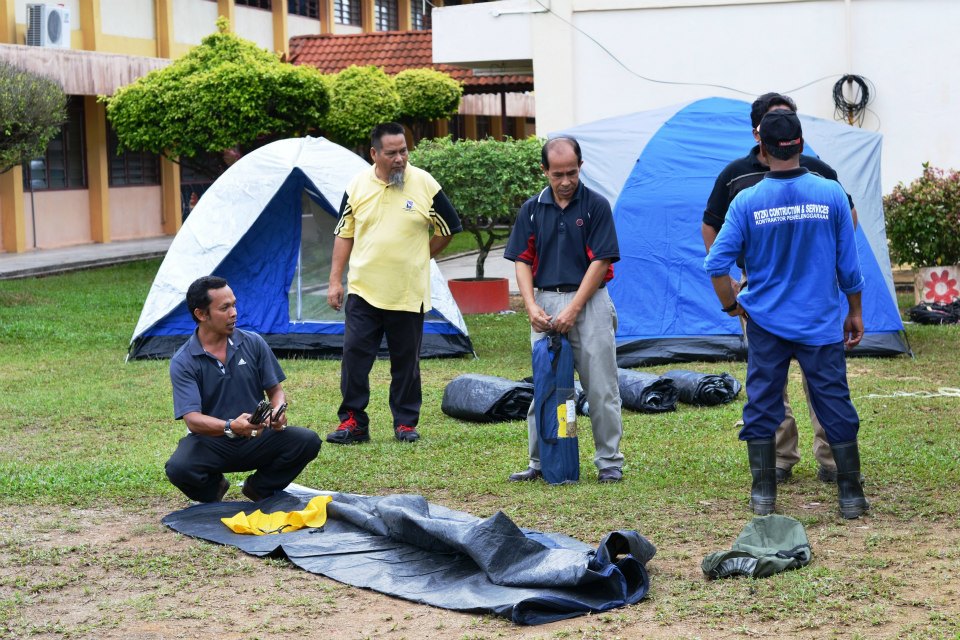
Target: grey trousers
595	359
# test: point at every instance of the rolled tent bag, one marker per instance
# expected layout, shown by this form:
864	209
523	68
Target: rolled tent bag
481	398
647	392
555	403
704	389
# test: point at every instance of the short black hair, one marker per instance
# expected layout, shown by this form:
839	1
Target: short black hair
762	104
549	143
198	293
384	129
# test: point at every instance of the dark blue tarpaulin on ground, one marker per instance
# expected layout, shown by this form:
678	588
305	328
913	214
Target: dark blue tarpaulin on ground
404	546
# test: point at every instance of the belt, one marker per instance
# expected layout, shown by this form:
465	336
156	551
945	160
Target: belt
566	288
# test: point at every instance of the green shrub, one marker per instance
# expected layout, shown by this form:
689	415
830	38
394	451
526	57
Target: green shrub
223	94
32	109
426	94
486	180
923	219
362	98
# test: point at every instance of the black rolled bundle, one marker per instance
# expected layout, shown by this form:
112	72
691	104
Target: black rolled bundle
647	392
704	389
481	398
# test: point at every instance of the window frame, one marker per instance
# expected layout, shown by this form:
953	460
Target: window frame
353	12
72	133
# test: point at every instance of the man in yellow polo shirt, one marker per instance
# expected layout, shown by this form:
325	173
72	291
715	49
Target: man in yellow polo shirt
384	234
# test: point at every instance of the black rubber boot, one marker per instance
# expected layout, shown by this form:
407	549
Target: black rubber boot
763	469
852	502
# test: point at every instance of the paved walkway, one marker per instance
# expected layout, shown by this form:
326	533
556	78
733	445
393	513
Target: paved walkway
42	262
50	261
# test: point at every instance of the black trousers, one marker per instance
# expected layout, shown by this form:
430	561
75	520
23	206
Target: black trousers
365	326
199	462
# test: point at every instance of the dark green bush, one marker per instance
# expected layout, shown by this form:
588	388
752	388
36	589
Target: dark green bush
486	180
923	219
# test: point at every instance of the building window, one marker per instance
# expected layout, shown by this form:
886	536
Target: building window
62	164
484	127
420	11
305	8
385	15
257	4
457	128
346	12
130	167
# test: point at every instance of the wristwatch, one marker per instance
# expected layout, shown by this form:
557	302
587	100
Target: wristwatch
736	303
227	431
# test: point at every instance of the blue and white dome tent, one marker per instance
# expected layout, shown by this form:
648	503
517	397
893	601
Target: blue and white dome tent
266	225
657	168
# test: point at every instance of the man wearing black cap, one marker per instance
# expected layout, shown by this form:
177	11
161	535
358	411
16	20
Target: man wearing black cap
738	175
795	233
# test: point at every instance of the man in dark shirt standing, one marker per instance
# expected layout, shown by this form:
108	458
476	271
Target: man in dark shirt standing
564	243
739	175
219	377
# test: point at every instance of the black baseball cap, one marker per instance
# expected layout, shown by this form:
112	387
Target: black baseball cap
780	128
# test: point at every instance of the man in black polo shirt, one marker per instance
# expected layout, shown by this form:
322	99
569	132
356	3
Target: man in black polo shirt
564	243
739	175
219	377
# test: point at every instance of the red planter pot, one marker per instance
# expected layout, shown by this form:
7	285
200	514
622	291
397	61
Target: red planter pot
484	295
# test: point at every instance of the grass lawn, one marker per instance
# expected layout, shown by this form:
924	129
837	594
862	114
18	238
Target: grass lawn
86	437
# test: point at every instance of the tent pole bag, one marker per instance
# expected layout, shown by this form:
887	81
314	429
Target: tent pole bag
555	408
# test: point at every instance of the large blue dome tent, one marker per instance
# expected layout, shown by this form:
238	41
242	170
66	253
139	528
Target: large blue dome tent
266	225
657	169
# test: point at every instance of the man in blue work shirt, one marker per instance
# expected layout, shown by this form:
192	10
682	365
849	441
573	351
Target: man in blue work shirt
564	244
219	377
741	174
795	232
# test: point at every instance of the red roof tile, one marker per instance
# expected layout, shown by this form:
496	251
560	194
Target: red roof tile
394	51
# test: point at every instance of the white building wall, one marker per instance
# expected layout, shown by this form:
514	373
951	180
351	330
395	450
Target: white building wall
193	20
129	18
599	58
256	25
300	26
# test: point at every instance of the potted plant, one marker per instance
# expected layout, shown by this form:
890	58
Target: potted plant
487	181
923	227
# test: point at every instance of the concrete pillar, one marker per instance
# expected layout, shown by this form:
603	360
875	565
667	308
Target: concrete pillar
553	56
366	16
404	15
12	222
281	41
326	16
90	29
98	168
226	9
164	25
8	22
171	216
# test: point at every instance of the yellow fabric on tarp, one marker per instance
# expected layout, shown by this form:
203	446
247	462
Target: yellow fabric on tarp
259	523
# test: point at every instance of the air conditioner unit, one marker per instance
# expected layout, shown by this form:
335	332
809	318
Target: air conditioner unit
48	26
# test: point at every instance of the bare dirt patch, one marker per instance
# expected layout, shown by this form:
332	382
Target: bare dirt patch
112	573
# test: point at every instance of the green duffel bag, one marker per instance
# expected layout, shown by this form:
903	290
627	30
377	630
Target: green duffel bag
766	546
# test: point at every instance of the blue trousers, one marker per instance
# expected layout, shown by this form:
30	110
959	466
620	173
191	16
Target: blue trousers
825	368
